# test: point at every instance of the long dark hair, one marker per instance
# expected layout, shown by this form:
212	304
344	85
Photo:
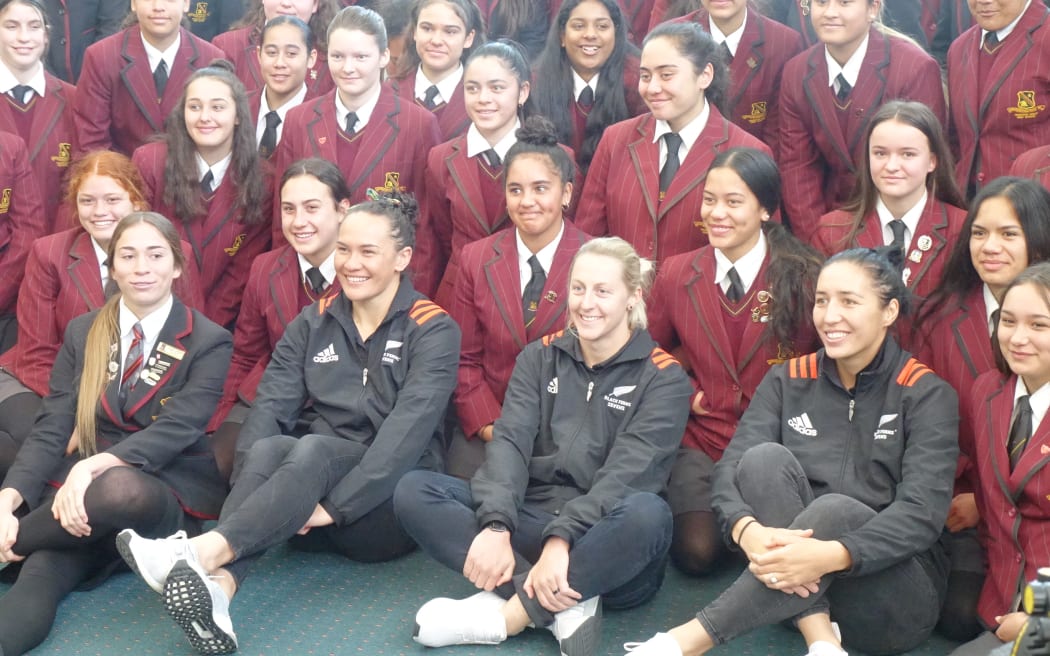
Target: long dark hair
468	13
255	18
696	45
553	91
182	185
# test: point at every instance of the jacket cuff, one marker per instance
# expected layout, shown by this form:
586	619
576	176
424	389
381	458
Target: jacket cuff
330	508
496	517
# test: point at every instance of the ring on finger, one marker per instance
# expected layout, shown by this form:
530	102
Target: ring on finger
556	591
772	579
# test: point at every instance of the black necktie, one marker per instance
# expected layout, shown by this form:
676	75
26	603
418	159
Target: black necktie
206	181
530	299
586	99
269	137
491	158
160	77
991	42
844	88
726	53
736	286
897	227
1020	431
351	121
430	97
19	93
671	164
316	278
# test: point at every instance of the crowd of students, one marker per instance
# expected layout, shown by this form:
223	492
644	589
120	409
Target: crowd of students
557	292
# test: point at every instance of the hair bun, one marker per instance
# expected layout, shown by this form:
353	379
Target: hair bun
224	64
538	131
893	255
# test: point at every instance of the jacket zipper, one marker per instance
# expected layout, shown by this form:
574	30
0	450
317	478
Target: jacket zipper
852	404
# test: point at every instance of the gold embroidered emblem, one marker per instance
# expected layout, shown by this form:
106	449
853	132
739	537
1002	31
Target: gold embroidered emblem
391	182
5	200
1026	106
758	113
61	160
232	250
200	14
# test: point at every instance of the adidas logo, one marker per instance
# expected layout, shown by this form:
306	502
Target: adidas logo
552	386
802	425
327	355
388	357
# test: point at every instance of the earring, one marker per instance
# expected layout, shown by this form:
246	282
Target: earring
630	308
564	207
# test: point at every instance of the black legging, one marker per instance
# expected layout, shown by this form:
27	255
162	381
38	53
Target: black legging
17	413
57	562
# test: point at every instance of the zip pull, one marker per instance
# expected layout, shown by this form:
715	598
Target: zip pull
364	381
590	389
852	403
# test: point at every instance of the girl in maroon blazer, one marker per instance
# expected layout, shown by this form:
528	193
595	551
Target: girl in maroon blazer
827	94
502	301
35	104
314	198
906	185
646	180
728	310
208	177
286	53
589	70
463	198
22	220
1011	445
442	35
241	44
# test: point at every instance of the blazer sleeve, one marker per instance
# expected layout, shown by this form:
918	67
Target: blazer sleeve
39	334
227	293
592	213
476	403
93	102
407	431
801	163
434	239
24	222
251	341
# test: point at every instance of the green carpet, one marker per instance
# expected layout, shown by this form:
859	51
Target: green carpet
304	604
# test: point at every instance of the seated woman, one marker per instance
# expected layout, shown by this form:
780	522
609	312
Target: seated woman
377	364
728	310
906	195
1006	409
565	510
122	430
836	483
511	286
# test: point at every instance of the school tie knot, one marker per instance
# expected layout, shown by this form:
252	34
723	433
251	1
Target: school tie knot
898	228
991	41
673	141
206	183
1020	430
586	98
430	97
133	360
492	158
351	121
727	53
160	77
842	93
316	279
268	143
21	93
530	299
736	286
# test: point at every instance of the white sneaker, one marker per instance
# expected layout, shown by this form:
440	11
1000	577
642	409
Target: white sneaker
661	644
152	559
825	648
197	603
578	629
476	620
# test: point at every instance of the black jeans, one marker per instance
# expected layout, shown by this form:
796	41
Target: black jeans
887	612
622	557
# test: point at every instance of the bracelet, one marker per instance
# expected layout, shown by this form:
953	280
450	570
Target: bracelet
740	535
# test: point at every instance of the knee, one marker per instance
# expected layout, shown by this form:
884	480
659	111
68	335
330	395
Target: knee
416	491
117	488
765	462
267	454
831	515
959	619
696	555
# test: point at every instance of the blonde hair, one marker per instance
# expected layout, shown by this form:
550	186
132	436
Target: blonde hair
637	273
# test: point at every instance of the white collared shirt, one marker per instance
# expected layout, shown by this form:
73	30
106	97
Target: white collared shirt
689	134
100	255
910	219
747	265
168	55
364	112
282	112
1005	32
218	169
545	256
151	325
37	82
477	144
327	268
732	41
446	87
1039	400
579	84
851	69
991	304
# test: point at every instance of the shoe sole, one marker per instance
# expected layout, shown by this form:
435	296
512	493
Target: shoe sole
124	548
188	601
586	639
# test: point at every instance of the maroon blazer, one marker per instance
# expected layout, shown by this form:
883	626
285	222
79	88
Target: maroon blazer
754	74
940	222
816	156
993	125
221	245
50	141
241	47
1034	164
487	308
686	317
22	217
451	115
62	282
116	105
1014	506
622	193
393	150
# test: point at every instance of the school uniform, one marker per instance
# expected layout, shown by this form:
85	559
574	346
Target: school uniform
75	25
794	14
210	18
451	112
241	47
222	246
1034	164
22	218
939	226
258	108
822	137
45	123
116	105
999	97
759	56
622	194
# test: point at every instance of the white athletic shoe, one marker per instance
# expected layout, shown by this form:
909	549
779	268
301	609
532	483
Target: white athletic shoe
476	620
152	559
825	648
578	629
661	644
200	607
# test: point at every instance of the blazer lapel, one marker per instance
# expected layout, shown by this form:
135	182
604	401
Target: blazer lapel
464	173
749	58
693	172
933	225
815	84
970	328
1034	457
379	135
52	109
165	358
870	92
504	281
554	300
138	79
645	158
284	287
755	333
83	271
322	129
703	300
998	412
